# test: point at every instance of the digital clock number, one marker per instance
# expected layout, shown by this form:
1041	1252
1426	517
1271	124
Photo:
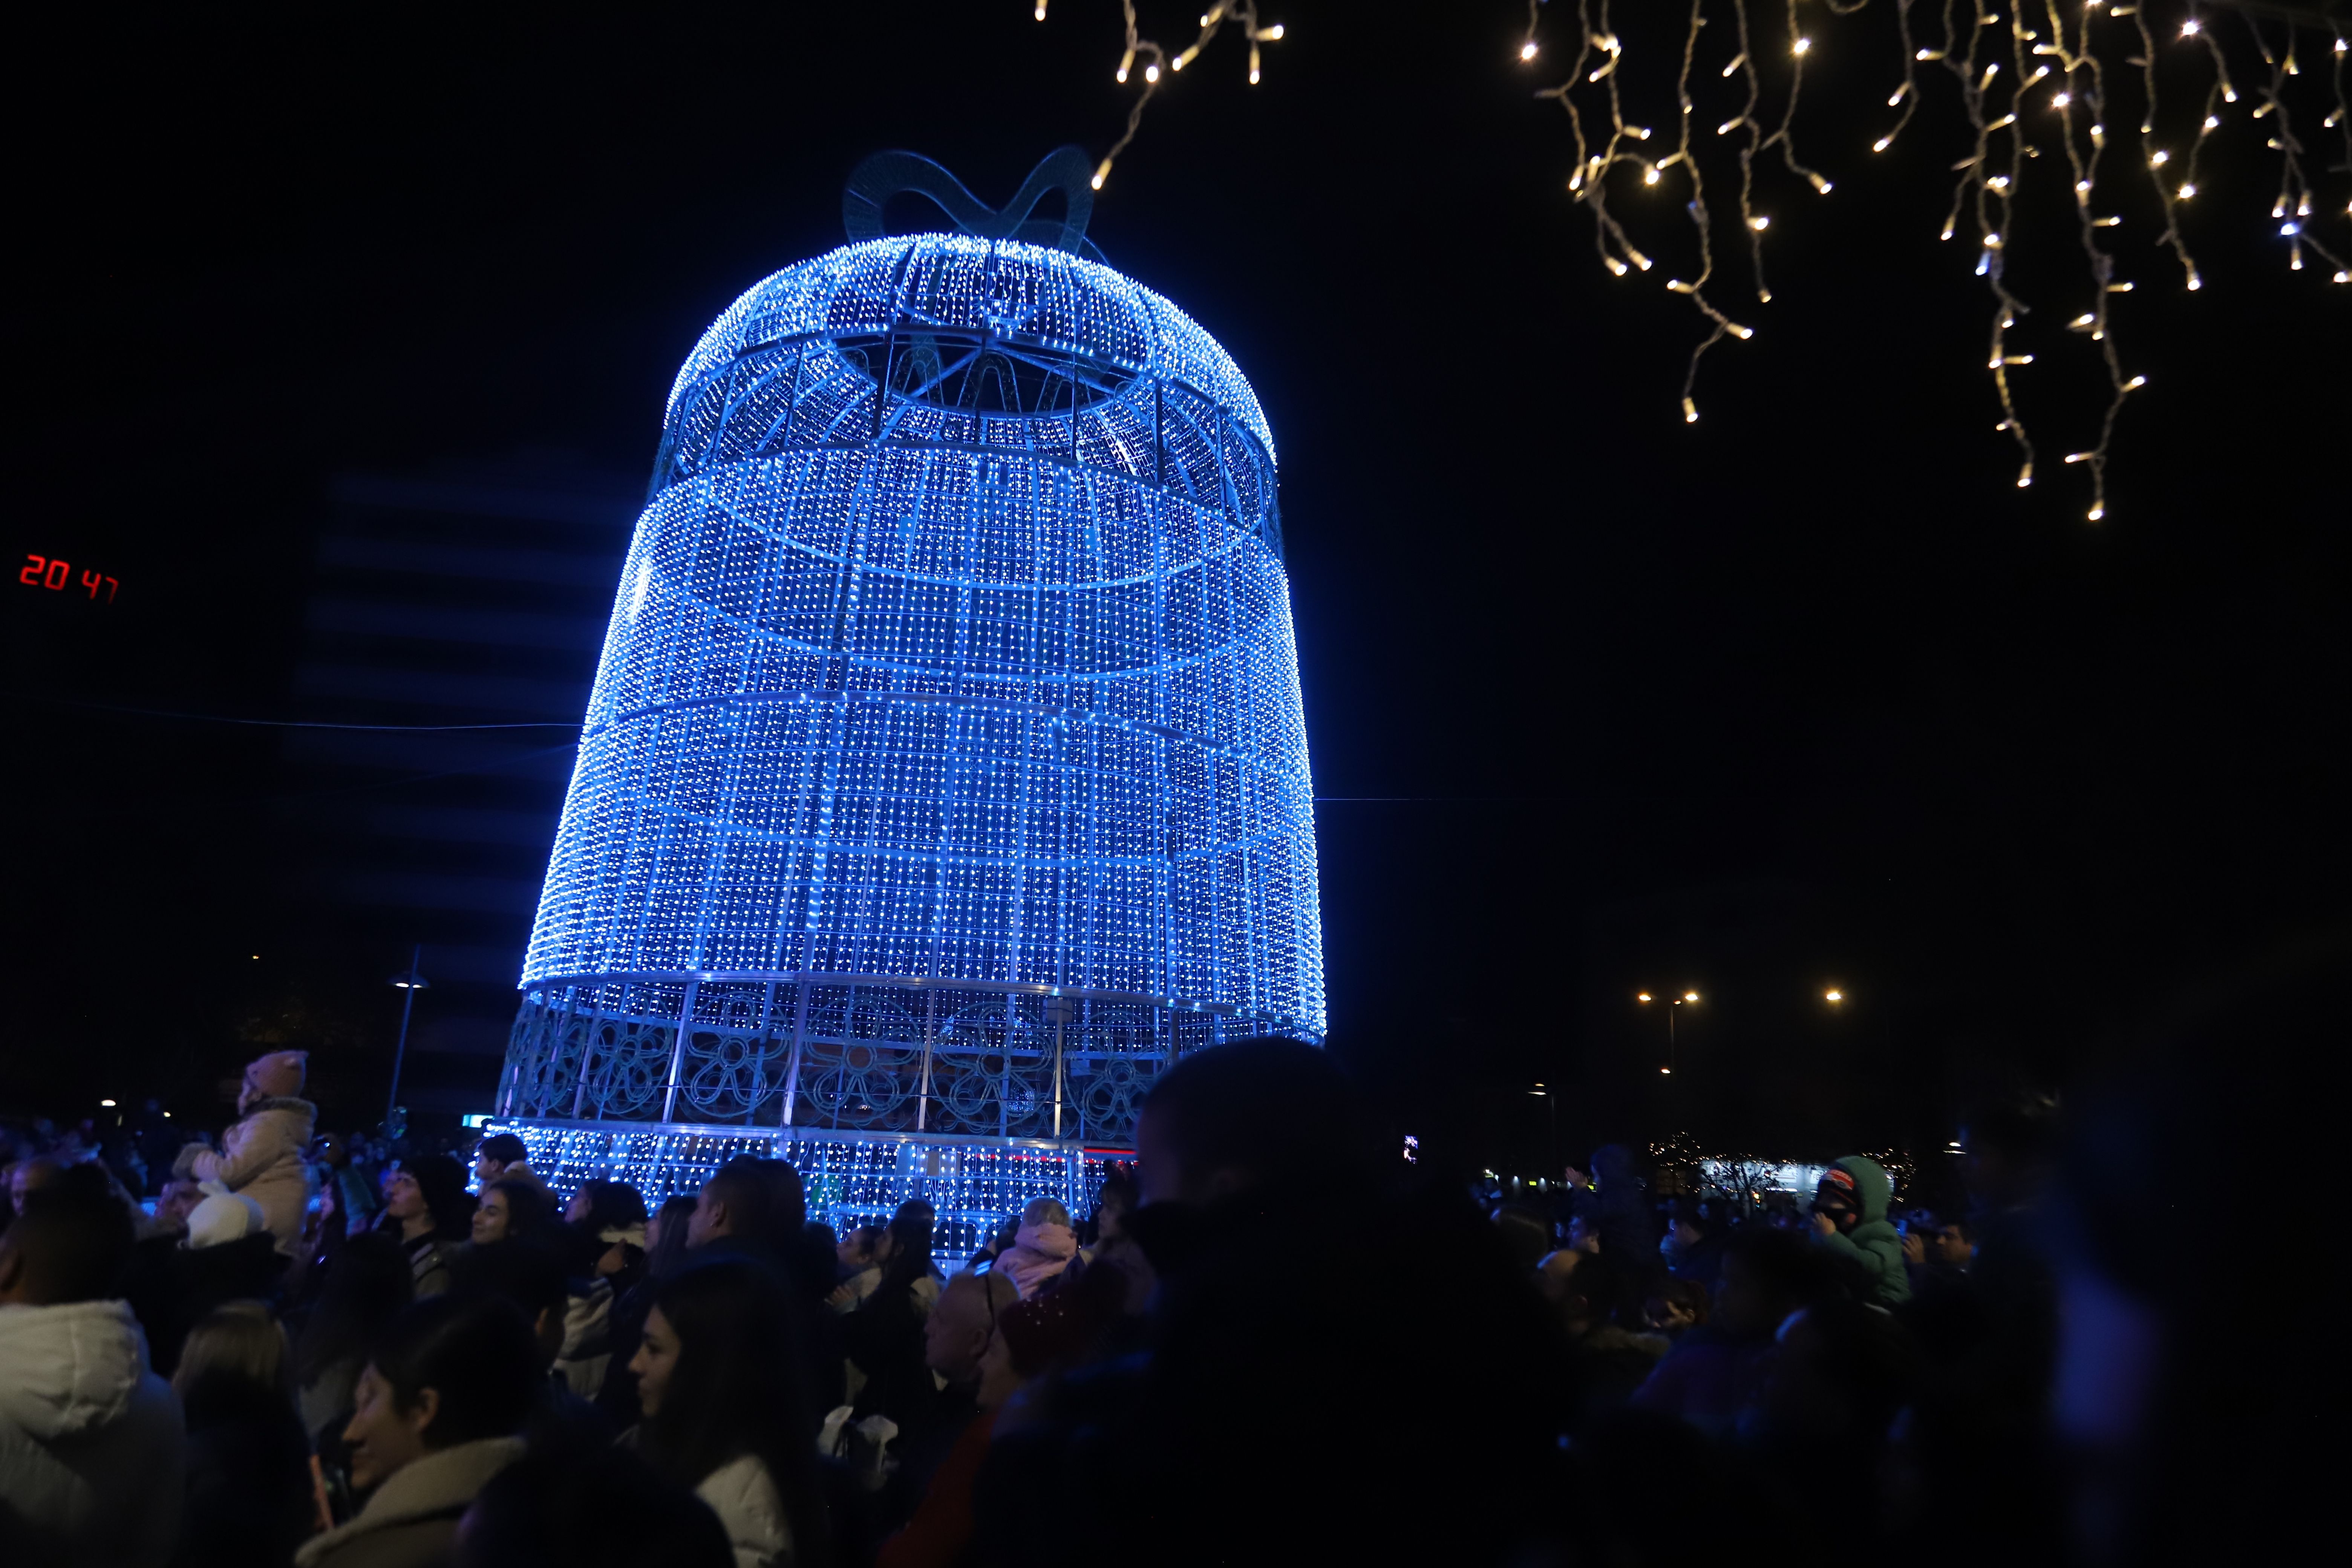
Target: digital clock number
56	576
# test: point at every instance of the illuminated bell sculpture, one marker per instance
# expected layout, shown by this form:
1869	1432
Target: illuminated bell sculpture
945	778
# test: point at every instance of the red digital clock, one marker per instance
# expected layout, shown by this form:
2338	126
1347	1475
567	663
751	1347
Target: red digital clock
57	576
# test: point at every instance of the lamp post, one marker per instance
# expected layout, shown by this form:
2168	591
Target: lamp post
1552	1103
408	985
1688	998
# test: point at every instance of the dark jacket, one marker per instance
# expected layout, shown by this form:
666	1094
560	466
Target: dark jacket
927	1433
1629	1230
248	1497
1701	1264
1256	1392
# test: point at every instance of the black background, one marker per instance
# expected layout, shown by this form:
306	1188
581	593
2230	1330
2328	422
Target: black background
1808	693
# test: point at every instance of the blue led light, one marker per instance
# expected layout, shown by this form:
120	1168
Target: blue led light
945	772
850	1178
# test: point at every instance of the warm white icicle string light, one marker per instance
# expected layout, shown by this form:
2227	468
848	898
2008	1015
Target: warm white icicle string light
2154	158
1754	132
2032	78
1599	49
2293	211
1696	288
1159	65
2081	85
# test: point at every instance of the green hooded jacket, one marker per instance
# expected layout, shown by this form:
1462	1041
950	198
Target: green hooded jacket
1873	1244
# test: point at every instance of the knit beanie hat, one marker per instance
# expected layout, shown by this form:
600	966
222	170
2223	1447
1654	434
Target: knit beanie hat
443	1182
277	1076
1838	1191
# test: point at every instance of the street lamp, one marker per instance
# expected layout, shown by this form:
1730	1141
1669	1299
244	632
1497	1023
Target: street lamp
409	985
1685	999
1832	996
1552	1103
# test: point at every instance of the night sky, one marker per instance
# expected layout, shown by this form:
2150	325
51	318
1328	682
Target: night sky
1806	694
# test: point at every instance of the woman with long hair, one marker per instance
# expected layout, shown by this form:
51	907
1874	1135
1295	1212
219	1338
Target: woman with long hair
248	1497
718	1379
882	1338
512	1208
666	1254
666	1236
605	1259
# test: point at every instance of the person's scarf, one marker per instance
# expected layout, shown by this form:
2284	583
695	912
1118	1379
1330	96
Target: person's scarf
1037	1256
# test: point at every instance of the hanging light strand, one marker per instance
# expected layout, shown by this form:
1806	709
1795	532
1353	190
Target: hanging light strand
1157	65
1598	52
2033	79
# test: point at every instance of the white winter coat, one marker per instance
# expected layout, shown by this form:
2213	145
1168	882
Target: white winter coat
746	1502
262	1157
92	1452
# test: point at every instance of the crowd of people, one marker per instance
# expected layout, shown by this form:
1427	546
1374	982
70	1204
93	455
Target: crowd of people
1264	1340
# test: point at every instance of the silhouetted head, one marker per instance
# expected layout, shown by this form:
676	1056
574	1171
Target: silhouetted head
70	1242
1233	1116
751	1200
1769	1273
496	1151
601	1506
2181	1451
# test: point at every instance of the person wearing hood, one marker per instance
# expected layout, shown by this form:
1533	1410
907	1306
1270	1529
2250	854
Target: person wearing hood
261	1155
1850	1222
1042	1250
92	1453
